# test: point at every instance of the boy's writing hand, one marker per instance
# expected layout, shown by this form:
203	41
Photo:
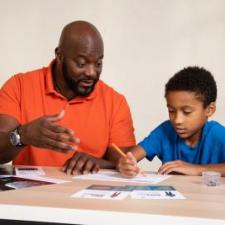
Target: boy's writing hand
182	167
128	165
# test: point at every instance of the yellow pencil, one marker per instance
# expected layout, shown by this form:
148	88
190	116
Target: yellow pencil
115	147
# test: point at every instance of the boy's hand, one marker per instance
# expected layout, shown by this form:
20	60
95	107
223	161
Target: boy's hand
128	165
182	167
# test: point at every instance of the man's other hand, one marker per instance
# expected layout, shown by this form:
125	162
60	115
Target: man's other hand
81	163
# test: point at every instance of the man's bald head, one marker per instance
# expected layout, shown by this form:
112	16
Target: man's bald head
78	35
79	58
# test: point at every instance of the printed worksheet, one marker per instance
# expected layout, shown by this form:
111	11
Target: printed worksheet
156	192
147	192
103	192
16	182
112	175
29	171
44	179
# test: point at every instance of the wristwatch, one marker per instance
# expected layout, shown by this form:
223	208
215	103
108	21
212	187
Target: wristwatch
15	139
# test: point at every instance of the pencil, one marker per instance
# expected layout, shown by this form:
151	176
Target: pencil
115	147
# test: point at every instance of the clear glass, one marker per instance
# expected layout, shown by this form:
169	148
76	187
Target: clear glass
211	178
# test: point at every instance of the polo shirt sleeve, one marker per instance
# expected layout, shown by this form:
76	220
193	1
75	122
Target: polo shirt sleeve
122	130
10	98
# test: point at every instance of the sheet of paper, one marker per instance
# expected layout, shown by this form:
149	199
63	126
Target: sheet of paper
112	175
16	182
110	195
103	192
29	171
155	192
45	179
135	192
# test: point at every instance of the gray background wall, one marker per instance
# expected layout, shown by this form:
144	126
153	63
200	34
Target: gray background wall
146	42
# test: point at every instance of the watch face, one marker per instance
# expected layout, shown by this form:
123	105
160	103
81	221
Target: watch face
13	138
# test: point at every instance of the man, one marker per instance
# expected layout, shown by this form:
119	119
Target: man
63	115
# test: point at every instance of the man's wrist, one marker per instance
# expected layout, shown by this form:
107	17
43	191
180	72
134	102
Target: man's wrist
19	128
15	137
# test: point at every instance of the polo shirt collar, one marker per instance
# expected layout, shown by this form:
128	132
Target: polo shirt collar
50	89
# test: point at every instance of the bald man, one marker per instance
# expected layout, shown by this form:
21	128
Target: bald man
63	115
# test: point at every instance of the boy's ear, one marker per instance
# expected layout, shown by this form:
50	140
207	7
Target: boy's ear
211	108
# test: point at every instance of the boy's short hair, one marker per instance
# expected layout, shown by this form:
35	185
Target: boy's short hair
194	79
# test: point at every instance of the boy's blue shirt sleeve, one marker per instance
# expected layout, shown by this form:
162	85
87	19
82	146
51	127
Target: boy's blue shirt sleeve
159	139
213	142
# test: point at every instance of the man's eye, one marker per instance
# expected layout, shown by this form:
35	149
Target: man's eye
99	64
80	65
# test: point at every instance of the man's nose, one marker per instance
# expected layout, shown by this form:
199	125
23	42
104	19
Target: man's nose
91	71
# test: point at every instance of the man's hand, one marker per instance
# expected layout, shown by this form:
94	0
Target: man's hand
45	133
128	166
182	167
81	163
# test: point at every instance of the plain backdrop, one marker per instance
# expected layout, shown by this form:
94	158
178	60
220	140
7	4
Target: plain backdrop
146	42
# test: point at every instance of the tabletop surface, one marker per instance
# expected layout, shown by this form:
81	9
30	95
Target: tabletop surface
201	201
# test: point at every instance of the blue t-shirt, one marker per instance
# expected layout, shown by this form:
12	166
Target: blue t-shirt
164	143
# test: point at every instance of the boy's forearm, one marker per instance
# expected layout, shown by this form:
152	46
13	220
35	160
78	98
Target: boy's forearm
113	156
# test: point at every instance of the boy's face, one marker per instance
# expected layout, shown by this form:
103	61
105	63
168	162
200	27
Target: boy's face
187	114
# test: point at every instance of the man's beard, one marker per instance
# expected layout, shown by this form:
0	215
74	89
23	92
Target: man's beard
74	84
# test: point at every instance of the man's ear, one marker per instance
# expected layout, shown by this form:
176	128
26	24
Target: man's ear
58	55
211	108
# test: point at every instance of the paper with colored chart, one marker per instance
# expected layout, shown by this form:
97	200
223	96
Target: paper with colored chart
109	192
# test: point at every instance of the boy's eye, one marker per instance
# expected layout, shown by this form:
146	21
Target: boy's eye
187	112
171	111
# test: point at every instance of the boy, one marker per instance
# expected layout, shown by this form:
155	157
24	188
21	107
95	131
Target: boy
187	143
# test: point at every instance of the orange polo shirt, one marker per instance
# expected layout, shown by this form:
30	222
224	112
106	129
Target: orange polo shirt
98	120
